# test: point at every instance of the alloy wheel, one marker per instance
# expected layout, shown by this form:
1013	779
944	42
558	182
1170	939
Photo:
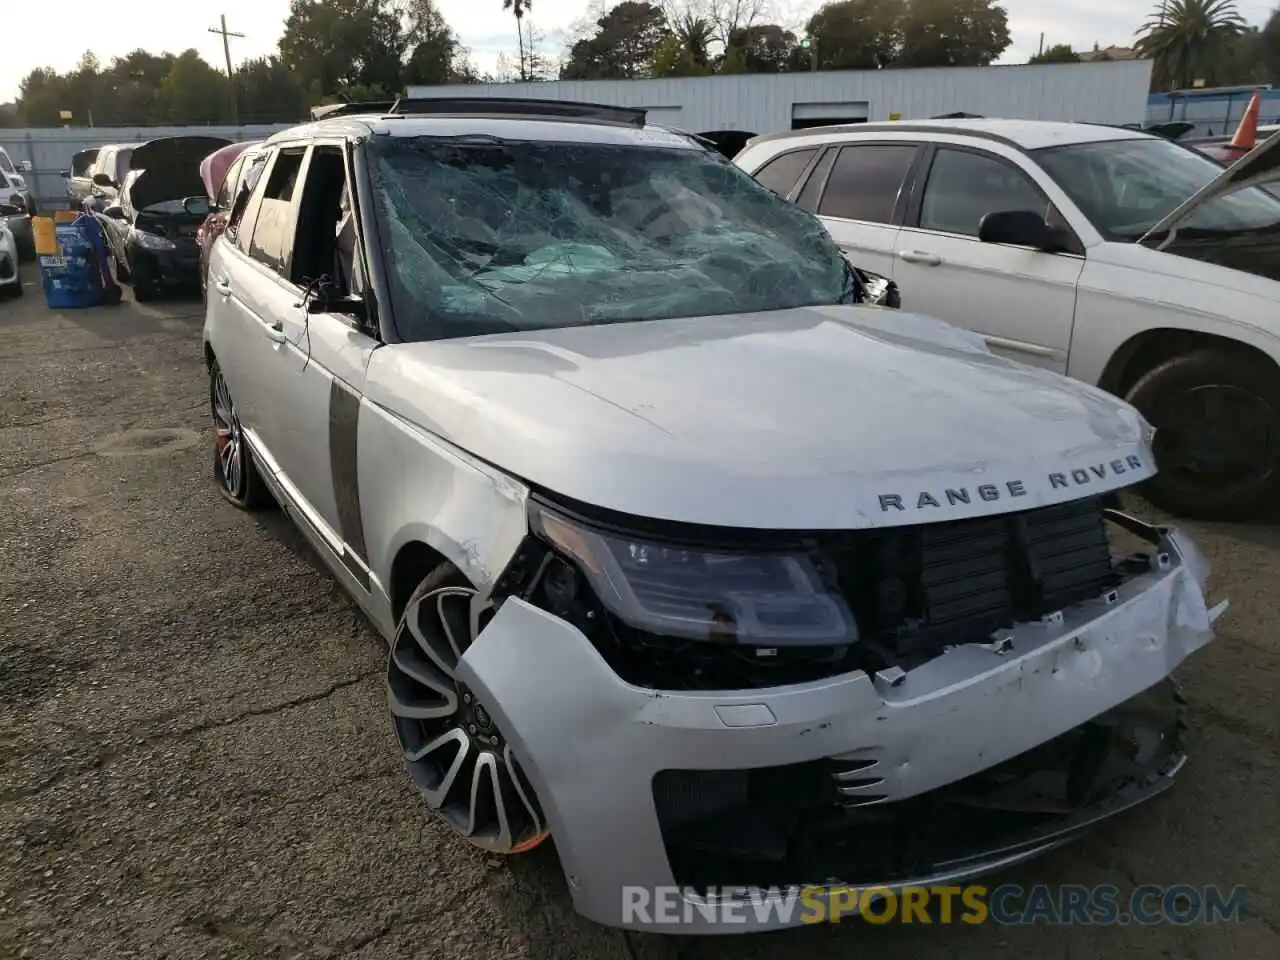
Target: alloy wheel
229	440
453	748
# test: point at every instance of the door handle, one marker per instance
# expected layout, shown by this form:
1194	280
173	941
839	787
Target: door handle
922	257
275	331
222	285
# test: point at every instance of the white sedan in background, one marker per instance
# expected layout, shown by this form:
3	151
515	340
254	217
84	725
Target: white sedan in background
10	282
1120	258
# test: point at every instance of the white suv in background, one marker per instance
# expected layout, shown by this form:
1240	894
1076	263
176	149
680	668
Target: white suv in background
1120	258
15	193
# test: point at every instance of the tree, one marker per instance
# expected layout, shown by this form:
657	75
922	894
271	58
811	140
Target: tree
1269	45
952	33
518	9
764	48
626	44
686	51
267	91
1058	53
193	92
434	53
336	44
855	34
1189	40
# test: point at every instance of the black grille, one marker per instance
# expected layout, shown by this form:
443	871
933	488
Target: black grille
6	267
917	588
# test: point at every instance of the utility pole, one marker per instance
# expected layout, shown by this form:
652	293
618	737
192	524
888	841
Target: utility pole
1040	52
226	52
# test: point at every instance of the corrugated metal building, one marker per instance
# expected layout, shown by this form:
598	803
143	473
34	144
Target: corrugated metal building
1105	92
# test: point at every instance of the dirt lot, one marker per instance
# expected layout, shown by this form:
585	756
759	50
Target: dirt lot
195	760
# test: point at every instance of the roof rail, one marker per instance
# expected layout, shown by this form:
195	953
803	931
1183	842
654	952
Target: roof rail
519	107
327	110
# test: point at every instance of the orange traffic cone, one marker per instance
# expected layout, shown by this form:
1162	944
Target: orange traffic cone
1247	133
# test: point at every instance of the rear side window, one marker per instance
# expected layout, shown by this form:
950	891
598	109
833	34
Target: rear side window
865	181
226	192
239	210
781	173
273	232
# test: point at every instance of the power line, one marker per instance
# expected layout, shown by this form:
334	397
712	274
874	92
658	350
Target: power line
226	51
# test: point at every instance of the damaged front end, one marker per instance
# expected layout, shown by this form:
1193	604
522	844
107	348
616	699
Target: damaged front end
879	707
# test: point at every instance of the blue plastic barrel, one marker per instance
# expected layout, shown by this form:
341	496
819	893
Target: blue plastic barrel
72	279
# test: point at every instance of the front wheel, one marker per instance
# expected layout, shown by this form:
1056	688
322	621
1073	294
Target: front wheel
1217	443
455	752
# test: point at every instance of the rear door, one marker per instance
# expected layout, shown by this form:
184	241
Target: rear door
1020	299
860	191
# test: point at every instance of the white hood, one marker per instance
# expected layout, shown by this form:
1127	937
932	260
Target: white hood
816	418
1259	167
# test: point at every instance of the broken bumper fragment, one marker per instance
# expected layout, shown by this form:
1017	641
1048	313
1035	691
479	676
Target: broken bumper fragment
1022	743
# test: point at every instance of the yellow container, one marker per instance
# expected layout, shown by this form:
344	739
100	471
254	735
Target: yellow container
46	240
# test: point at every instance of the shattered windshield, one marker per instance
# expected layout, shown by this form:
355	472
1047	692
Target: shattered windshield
486	236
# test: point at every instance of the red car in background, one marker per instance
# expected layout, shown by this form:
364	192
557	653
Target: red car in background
223	173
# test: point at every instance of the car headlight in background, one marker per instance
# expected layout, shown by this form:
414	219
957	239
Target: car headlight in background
766	599
149	241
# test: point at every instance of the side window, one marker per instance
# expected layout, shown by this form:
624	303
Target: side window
273	230
808	198
781	173
324	244
5	165
243	198
227	190
963	187
865	181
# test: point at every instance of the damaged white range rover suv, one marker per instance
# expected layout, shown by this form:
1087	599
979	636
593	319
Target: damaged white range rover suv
688	559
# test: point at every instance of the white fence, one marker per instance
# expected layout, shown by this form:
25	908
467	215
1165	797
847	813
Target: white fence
49	151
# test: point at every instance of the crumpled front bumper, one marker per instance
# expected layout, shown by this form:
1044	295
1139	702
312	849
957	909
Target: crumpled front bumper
591	744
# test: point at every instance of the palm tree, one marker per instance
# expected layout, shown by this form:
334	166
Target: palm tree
1189	40
695	35
518	8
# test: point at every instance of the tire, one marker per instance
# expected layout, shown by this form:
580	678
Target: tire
234	469
1217	443
454	751
144	291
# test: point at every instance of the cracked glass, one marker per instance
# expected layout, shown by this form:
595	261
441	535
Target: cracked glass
482	235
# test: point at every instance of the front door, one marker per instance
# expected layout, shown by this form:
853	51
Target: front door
1021	300
860	201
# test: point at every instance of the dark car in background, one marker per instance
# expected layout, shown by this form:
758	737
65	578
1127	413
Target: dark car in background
152	226
223	173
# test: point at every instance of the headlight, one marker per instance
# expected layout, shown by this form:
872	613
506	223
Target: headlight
149	241
758	598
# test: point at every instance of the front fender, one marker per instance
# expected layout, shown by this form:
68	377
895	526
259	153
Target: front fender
416	487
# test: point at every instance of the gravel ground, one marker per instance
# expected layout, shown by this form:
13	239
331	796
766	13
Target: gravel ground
195	760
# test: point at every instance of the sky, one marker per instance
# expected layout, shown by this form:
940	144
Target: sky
481	24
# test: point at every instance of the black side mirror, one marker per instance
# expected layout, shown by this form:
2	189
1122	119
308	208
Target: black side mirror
1023	228
349	306
67	174
9	210
114	212
102	180
197	206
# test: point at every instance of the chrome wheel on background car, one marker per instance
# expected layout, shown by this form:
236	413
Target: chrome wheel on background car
233	467
454	750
